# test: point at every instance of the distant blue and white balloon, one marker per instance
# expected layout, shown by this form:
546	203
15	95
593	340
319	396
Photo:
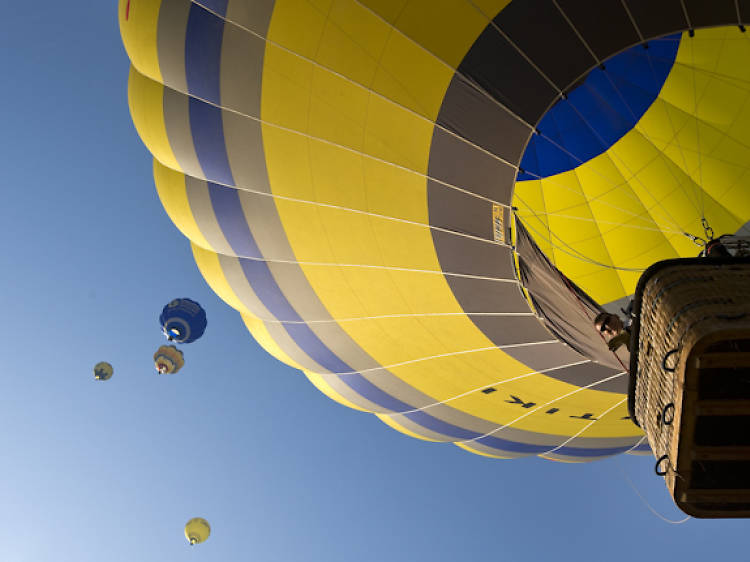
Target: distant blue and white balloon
183	320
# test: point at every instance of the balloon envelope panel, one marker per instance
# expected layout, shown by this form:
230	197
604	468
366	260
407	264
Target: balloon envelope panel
345	172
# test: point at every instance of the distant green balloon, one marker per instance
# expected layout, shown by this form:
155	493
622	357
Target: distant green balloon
197	530
103	371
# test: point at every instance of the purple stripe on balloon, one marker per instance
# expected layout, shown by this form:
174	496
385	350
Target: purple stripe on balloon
204	35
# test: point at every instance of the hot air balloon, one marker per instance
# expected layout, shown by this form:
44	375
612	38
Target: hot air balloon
424	207
197	530
183	320
103	371
168	360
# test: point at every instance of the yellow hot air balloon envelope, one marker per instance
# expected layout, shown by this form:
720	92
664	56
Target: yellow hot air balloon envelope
197	530
421	205
103	371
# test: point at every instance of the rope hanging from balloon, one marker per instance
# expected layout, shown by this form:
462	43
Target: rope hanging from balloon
648	505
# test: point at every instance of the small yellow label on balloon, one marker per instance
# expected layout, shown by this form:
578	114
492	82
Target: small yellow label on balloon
498	223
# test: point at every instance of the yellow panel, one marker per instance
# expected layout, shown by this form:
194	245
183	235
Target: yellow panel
287	86
397	136
660	184
353	41
734	54
412	77
446	28
394	192
145	98
338	110
736	196
298	26
346	179
619	235
170	186
580	250
139	34
359	239
298	97
529	198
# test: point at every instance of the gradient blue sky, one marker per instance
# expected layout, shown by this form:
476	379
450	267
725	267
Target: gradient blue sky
112	471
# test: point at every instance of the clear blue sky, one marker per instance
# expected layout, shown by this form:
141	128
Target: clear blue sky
112	471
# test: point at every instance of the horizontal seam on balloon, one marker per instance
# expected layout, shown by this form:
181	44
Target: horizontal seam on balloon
440	356
369	266
342	147
387	316
381	96
398	166
572	437
355	211
543	406
480	388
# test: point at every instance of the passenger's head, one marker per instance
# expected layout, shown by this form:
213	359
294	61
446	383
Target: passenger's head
608	324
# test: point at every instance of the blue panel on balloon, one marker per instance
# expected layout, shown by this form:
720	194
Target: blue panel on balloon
600	111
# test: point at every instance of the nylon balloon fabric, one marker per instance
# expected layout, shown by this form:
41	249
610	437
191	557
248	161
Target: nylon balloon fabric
346	172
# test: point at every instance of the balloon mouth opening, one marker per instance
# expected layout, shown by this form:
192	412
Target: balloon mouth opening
193	541
161	368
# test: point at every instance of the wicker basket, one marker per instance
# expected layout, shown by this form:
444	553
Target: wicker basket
690	380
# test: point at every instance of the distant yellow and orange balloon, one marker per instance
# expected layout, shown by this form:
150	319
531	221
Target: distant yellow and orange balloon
388	191
168	360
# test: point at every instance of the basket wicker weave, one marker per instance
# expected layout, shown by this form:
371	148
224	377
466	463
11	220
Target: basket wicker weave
690	380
